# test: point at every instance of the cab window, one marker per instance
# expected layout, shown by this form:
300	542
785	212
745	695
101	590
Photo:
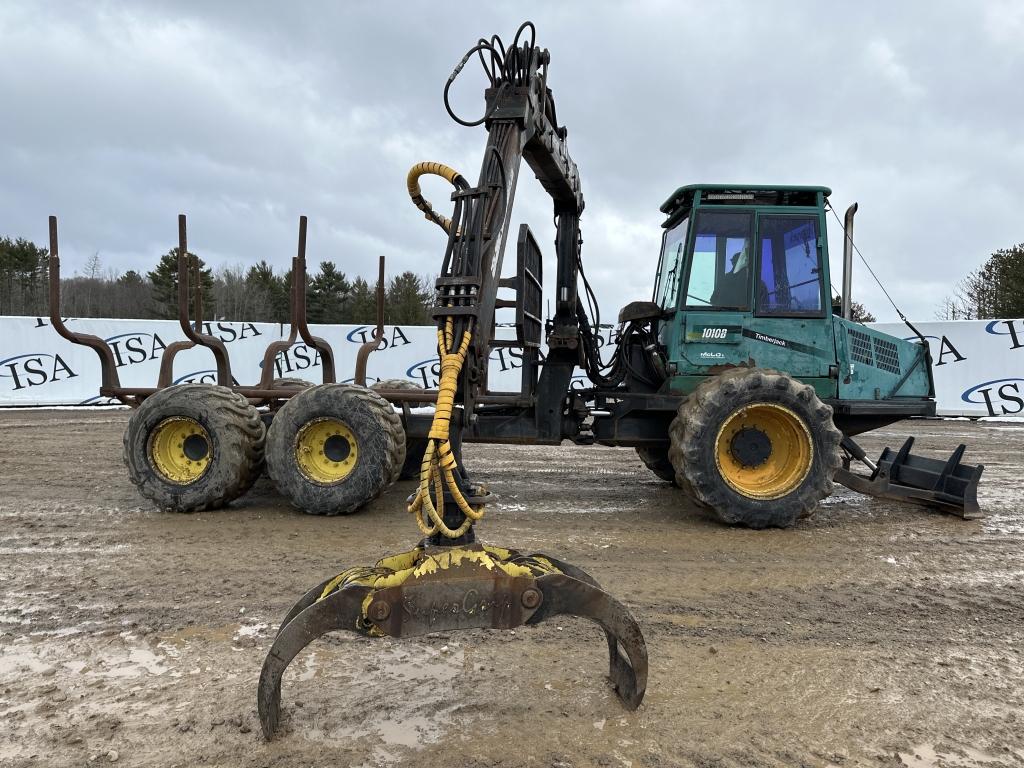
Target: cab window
790	272
666	291
719	272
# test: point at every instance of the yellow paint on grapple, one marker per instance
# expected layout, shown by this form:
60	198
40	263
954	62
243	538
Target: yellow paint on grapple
395	570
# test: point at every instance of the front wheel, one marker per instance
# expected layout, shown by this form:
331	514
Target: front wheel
756	446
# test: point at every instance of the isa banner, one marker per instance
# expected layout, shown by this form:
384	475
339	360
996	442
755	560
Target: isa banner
978	365
39	367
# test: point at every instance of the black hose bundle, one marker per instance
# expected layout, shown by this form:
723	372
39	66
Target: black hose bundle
503	67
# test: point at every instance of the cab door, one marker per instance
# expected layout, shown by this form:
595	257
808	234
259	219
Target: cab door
716	298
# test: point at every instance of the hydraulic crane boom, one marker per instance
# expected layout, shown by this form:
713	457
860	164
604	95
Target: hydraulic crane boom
521	123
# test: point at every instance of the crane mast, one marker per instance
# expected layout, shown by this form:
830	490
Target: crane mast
521	123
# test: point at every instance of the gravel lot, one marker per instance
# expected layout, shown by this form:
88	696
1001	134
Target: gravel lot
873	634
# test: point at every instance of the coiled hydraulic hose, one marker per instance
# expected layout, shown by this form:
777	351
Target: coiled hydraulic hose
412	182
438	470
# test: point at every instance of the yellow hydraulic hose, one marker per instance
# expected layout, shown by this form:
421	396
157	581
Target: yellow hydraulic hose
437	472
412	182
439	467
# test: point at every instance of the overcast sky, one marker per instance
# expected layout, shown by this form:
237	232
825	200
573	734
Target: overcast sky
116	117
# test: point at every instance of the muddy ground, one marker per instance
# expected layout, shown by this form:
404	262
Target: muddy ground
872	634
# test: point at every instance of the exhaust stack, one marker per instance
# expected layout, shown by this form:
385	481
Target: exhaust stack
847	299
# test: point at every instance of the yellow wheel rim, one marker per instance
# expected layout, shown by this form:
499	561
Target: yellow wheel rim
180	450
764	451
326	450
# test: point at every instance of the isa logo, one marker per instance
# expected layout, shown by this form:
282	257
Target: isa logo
134	348
1008	328
208	376
298	357
507	359
34	370
364	333
946	349
426	372
229	332
1006	395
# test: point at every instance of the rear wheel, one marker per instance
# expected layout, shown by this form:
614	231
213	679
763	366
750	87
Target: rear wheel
756	446
415	447
193	447
334	447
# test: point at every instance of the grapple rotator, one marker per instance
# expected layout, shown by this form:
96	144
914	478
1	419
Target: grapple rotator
443	588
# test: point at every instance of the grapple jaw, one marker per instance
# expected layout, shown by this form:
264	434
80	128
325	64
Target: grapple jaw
433	589
950	485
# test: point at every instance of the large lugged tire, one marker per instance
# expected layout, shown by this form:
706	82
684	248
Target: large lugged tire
193	447
415	447
334	447
656	459
756	446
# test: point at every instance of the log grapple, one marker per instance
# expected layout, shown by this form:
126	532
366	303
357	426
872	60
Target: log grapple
444	588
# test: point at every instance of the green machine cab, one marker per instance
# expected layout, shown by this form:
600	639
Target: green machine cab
744	280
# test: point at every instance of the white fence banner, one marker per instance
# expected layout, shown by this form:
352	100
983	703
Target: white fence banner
979	365
39	367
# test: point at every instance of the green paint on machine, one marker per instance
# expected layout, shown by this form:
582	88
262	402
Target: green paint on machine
743	280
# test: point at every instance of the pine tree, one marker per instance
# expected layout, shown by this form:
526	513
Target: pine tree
270	295
408	301
993	290
24	270
362	307
329	294
859	313
131	277
165	286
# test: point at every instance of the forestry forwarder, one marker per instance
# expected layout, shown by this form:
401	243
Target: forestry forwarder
737	383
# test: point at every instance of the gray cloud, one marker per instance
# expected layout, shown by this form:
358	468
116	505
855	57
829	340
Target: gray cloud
117	117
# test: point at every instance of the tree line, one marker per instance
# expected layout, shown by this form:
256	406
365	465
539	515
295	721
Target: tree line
993	290
257	293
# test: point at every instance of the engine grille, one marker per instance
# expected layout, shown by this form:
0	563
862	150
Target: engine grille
887	357
874	351
860	346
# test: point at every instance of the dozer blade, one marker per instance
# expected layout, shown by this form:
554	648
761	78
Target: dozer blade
444	589
950	485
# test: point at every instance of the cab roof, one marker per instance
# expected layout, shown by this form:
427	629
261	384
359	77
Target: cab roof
684	195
